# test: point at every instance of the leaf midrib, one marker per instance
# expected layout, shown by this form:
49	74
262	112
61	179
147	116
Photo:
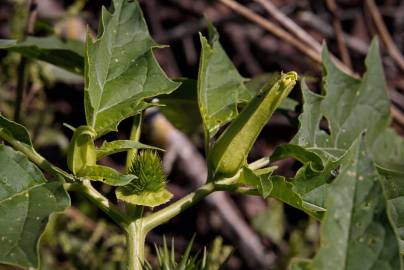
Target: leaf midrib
356	157
22	192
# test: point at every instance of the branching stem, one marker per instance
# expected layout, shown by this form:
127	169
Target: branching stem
100	201
36	158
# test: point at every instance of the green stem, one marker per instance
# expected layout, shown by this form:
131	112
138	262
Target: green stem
134	136
134	211
136	237
36	158
167	213
236	188
226	184
260	163
138	229
100	201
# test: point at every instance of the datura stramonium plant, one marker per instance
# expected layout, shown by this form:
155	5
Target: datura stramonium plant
149	188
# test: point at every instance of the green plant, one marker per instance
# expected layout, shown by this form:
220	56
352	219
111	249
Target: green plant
350	179
215	259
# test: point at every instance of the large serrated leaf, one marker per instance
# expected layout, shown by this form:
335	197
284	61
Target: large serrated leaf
26	201
356	232
351	106
65	54
121	71
348	104
358	101
220	86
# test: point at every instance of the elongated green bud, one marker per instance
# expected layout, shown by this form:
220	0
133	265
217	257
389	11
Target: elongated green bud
231	149
81	152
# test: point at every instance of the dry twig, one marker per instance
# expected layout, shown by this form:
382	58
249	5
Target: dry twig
397	115
343	50
313	21
274	29
280	33
384	34
309	51
289	24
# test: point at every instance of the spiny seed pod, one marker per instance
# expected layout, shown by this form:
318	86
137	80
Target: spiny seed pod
149	188
81	151
231	149
149	170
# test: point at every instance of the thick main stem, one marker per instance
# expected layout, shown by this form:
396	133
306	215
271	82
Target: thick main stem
135	241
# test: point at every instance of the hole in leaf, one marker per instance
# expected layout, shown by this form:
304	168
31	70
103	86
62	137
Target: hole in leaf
323	125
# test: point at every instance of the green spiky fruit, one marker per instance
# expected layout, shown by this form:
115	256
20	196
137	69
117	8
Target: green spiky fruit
149	188
147	167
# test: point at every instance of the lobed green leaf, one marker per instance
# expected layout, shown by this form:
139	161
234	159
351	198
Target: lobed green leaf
347	105
121	71
356	225
352	106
